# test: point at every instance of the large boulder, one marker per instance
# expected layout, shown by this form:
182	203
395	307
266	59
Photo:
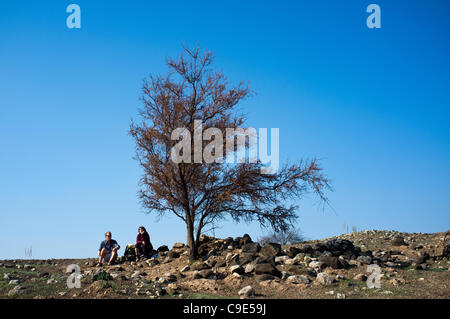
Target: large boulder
237	269
173	254
246	239
178	246
367	260
265	260
339	245
329	261
236	242
298	270
251	248
321	247
398	241
270	250
293	251
227	242
162	249
422	258
266	269
307	249
203	249
199	266
245	259
205	273
446	251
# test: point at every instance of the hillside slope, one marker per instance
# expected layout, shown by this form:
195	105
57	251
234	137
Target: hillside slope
407	266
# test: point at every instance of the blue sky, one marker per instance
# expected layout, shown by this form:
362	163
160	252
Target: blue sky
373	104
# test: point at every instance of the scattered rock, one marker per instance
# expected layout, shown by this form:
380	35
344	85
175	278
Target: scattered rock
324	278
421	267
422	258
293	251
391	264
246	292
246	239
298	270
365	260
249	268
205	273
266	269
199	266
315	264
398	241
178	246
170	277
162	249
328	261
264	277
185	268
237	269
298	279
397	281
173	254
271	249
17	290
251	248
360	277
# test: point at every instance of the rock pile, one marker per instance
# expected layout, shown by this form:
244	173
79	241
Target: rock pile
237	259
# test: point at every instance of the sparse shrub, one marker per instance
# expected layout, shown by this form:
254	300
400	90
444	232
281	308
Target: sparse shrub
290	236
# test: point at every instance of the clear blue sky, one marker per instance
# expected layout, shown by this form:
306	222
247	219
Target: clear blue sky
372	104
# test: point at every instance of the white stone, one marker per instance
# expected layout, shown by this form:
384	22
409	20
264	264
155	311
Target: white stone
281	259
314	264
235	268
324	278
249	268
298	279
290	261
246	292
186	268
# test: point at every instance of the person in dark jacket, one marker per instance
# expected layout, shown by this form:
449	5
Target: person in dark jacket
143	245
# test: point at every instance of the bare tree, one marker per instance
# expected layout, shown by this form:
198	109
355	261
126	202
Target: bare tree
286	237
203	193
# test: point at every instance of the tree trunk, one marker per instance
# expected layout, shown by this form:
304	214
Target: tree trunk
191	241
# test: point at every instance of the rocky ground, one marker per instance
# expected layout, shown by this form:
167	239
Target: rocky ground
409	265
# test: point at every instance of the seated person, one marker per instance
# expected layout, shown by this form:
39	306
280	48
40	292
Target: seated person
108	250
143	245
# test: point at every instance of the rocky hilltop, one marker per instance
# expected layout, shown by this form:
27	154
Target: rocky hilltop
367	264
